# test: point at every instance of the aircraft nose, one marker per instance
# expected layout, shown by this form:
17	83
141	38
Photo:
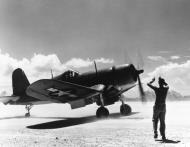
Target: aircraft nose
136	72
140	71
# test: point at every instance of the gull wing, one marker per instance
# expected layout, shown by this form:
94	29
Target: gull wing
127	88
59	91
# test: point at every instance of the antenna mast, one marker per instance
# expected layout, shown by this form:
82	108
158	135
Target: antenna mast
51	74
95	68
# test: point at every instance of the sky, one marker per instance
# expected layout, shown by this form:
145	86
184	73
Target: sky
41	35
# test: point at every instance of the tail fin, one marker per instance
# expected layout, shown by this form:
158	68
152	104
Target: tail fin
19	82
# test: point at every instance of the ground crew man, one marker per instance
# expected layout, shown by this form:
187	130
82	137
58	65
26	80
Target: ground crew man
159	109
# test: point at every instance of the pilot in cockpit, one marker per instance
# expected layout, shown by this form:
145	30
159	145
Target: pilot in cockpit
70	74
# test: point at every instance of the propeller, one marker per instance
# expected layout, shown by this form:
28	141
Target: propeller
141	90
139	66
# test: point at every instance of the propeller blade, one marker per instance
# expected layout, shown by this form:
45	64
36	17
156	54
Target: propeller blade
140	60
139	65
127	58
141	91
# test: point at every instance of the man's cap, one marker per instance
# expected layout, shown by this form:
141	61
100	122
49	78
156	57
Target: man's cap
161	80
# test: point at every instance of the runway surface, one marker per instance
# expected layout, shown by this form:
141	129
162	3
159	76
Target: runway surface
58	125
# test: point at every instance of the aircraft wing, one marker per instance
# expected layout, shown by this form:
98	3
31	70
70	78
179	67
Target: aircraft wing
126	89
59	91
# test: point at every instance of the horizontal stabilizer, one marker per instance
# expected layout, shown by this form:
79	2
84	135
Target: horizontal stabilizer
8	99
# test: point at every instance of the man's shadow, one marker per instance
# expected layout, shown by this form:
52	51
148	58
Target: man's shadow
168	141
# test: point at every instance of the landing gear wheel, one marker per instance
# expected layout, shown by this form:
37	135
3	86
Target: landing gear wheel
102	112
27	115
28	107
125	109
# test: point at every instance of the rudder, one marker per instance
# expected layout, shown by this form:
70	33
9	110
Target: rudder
19	82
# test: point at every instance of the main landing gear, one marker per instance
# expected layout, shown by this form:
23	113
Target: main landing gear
125	109
103	112
28	107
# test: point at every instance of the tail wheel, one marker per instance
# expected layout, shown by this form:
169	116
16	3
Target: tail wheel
27	115
102	112
125	109
28	107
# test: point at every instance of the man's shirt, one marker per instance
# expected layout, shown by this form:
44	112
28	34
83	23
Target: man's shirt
161	94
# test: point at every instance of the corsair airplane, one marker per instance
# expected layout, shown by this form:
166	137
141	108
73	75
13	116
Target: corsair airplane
103	87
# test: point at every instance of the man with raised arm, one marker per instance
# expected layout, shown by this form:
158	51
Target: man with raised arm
159	109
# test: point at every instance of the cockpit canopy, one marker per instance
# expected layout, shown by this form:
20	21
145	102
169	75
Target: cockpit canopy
70	74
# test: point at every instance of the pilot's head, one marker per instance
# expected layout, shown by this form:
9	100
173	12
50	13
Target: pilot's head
161	82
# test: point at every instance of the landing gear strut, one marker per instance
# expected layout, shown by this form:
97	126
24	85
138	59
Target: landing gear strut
125	109
28	107
102	112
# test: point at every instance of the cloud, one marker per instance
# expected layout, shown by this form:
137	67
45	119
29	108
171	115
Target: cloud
174	57
43	63
37	67
78	62
177	75
105	61
3	92
157	58
163	52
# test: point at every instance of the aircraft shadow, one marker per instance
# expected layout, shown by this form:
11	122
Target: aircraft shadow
168	141
67	122
12	117
37	117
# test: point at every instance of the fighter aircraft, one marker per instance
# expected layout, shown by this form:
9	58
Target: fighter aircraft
103	87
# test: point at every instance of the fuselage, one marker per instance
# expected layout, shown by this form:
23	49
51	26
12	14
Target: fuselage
116	76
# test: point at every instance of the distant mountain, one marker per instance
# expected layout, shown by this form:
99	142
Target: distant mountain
171	96
187	97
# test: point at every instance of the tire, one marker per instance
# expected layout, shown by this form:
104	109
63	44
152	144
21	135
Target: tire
27	115
102	112
125	109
